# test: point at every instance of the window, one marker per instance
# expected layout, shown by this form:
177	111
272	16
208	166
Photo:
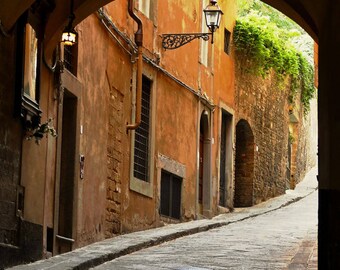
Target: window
70	58
145	7
227	36
30	62
142	146
28	68
142	136
171	188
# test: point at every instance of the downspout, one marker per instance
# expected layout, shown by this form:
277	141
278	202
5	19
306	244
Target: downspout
139	42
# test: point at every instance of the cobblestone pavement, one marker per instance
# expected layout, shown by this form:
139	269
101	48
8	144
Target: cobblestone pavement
277	234
281	239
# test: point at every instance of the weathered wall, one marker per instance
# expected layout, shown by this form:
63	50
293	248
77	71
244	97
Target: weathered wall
94	119
10	152
176	136
223	95
104	202
21	239
130	210
117	143
10	145
265	106
307	141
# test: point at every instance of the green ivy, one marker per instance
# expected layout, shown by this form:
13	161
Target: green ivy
267	47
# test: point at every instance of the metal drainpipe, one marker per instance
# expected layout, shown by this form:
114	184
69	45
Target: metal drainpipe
139	42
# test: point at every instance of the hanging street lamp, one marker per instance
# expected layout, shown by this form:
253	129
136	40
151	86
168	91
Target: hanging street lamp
69	35
212	14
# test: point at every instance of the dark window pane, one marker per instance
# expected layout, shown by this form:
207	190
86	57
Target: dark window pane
227	36
70	58
176	197
171	192
165	194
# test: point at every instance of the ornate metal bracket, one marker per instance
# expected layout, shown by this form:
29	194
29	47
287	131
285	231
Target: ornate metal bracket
174	41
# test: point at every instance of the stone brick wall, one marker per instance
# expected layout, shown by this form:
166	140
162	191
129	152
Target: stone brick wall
114	161
264	105
263	102
20	241
10	147
306	152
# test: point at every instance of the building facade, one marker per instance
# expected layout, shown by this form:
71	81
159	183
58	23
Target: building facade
98	178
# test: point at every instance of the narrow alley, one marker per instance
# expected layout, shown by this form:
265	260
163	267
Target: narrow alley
278	234
281	239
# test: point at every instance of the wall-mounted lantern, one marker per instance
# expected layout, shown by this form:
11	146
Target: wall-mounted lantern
212	14
69	36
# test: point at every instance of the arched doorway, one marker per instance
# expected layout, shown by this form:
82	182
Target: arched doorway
204	177
244	165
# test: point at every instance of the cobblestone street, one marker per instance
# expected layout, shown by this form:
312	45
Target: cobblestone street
281	239
280	233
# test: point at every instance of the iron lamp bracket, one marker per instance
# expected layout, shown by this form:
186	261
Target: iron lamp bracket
174	41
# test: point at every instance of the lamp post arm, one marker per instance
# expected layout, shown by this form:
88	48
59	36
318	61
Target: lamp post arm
174	41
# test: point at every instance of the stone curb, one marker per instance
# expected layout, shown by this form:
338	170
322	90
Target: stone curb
109	249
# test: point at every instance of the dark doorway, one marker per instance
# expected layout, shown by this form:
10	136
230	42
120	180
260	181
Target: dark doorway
225	156
204	185
67	173
244	165
201	155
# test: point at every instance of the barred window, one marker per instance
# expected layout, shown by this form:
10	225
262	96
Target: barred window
171	190
70	58
142	136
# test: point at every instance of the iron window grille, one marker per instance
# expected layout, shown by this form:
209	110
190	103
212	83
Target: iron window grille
142	136
70	58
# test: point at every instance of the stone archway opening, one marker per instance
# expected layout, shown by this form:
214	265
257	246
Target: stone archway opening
244	165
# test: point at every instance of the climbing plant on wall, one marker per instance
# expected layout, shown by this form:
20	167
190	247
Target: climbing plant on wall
267	38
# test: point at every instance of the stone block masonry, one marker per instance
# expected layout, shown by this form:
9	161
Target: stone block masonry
114	163
263	103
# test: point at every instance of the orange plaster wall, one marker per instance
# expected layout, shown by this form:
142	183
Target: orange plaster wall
92	67
107	65
176	129
180	17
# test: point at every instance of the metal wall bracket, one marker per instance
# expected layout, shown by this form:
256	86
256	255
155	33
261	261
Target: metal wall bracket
174	41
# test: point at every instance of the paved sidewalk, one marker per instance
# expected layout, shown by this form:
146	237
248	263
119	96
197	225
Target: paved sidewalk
109	249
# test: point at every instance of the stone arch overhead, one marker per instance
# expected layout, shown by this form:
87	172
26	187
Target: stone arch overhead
308	13
59	18
11	11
